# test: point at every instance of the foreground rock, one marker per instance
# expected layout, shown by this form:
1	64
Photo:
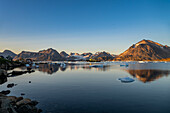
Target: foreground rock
3	76
12	104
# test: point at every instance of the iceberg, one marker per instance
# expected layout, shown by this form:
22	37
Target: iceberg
126	79
126	65
27	65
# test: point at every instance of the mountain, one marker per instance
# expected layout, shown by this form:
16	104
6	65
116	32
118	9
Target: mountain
102	56
145	50
64	54
43	55
87	56
6	53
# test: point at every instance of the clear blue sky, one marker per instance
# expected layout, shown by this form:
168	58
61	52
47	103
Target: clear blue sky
82	25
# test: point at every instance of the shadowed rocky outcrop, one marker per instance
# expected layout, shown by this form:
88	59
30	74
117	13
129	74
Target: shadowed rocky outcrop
44	55
7	53
12	104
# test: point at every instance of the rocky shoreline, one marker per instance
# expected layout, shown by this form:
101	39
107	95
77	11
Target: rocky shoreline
13	104
7	64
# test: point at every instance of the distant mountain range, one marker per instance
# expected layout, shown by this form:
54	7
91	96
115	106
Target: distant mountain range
143	50
7	53
43	55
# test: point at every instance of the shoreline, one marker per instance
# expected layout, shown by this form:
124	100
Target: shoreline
13	104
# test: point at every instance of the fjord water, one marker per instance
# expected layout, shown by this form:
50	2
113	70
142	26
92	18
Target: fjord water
85	89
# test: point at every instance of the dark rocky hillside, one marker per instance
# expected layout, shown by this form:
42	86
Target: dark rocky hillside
7	53
44	55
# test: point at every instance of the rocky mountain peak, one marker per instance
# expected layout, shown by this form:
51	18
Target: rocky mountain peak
145	50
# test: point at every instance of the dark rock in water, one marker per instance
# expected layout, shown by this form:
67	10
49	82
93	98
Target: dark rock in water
31	71
6	92
29	81
15	73
39	110
12	98
3	79
3	76
27	109
10	85
34	103
3	72
19	99
22	93
12	104
18	72
29	68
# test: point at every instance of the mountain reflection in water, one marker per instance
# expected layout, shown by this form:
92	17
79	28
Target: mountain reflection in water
53	68
148	75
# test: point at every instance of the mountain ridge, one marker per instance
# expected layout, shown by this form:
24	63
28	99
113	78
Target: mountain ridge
142	50
7	53
145	50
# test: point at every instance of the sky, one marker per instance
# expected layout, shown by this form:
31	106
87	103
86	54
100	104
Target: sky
82	25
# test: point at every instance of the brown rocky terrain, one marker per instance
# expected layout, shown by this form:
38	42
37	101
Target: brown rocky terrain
145	50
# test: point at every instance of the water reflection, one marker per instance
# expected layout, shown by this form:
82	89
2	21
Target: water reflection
53	68
148	75
49	68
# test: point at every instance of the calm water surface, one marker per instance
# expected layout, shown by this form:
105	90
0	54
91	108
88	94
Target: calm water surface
84	89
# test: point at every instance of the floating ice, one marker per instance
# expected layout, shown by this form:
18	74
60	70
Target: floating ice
126	65
126	79
27	65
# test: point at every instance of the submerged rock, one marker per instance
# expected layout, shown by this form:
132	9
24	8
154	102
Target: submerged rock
22	93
